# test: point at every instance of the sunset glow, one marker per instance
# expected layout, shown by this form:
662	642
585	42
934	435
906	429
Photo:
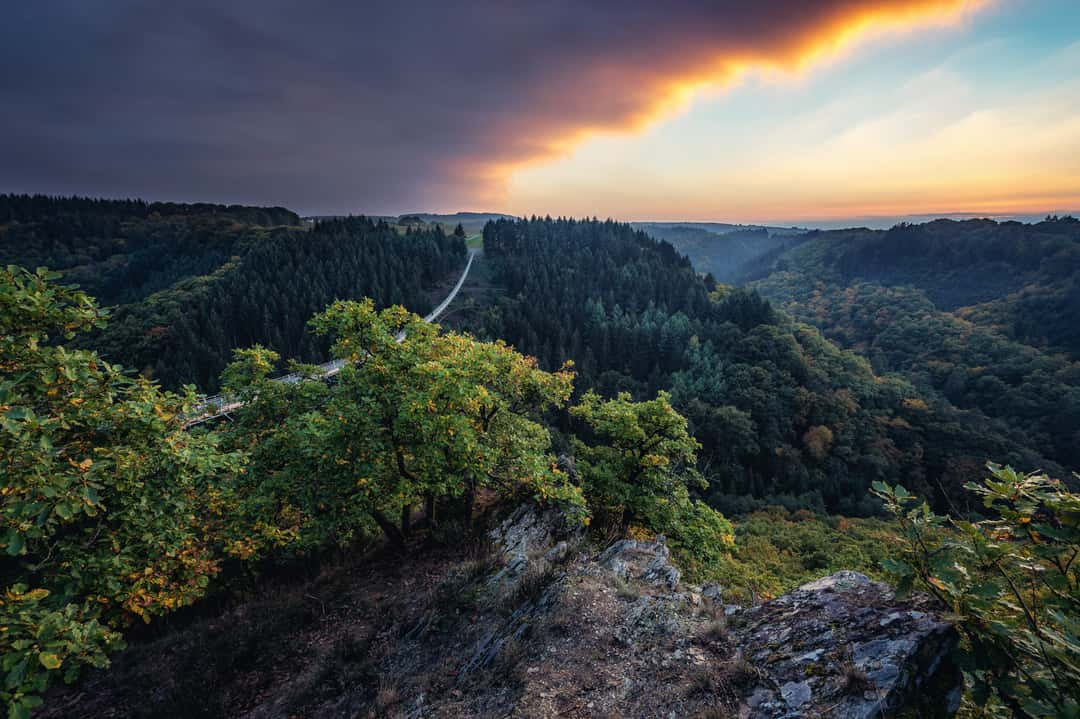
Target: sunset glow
1018	154
783	59
776	110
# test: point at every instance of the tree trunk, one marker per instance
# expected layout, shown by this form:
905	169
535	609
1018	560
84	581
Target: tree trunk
470	503
406	520
429	511
393	534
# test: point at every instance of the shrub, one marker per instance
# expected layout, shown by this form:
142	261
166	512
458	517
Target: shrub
1012	583
641	469
109	510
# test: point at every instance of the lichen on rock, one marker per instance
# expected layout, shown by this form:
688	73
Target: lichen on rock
845	646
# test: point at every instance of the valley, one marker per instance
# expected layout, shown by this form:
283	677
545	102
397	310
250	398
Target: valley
765	432
552	360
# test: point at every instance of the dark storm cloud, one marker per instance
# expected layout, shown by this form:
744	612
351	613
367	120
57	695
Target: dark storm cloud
329	105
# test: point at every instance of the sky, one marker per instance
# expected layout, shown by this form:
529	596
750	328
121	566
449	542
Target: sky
775	111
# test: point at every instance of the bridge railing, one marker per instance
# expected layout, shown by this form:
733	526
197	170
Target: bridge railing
218	405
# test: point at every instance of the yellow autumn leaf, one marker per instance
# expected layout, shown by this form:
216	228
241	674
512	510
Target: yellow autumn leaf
50	660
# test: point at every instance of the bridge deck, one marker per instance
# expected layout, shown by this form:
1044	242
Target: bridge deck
218	405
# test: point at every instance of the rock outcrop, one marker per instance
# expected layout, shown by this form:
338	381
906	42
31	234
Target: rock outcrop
545	625
648	562
842	646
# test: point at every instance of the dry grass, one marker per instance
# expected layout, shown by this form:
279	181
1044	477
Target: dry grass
714	631
716	688
703	681
738	673
712	610
626	590
532	585
853	680
506	669
387	696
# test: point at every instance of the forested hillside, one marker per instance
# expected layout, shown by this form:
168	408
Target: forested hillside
905	300
784	416
122	250
192	282
1019	279
266	296
723	251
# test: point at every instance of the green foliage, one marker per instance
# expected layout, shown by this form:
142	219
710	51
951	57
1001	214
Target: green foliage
112	511
957	263
104	511
250	369
643	461
640	469
191	282
1012	583
414	414
123	250
776	550
701	537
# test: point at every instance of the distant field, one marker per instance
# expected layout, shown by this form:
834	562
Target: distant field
472	222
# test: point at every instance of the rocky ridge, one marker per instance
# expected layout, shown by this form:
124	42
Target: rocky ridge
538	622
624	637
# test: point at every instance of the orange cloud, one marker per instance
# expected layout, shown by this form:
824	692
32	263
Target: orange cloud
624	91
378	106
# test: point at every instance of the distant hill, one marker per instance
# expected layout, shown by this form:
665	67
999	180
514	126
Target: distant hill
978	313
720	249
472	222
1022	280
122	250
189	283
884	222
783	415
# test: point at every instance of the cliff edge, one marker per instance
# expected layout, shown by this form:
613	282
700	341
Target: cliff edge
540	624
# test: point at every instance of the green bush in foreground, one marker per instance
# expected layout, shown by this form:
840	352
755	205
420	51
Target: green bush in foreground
639	471
1013	584
104	515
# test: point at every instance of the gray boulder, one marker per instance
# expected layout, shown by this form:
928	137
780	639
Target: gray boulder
527	530
844	646
647	561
